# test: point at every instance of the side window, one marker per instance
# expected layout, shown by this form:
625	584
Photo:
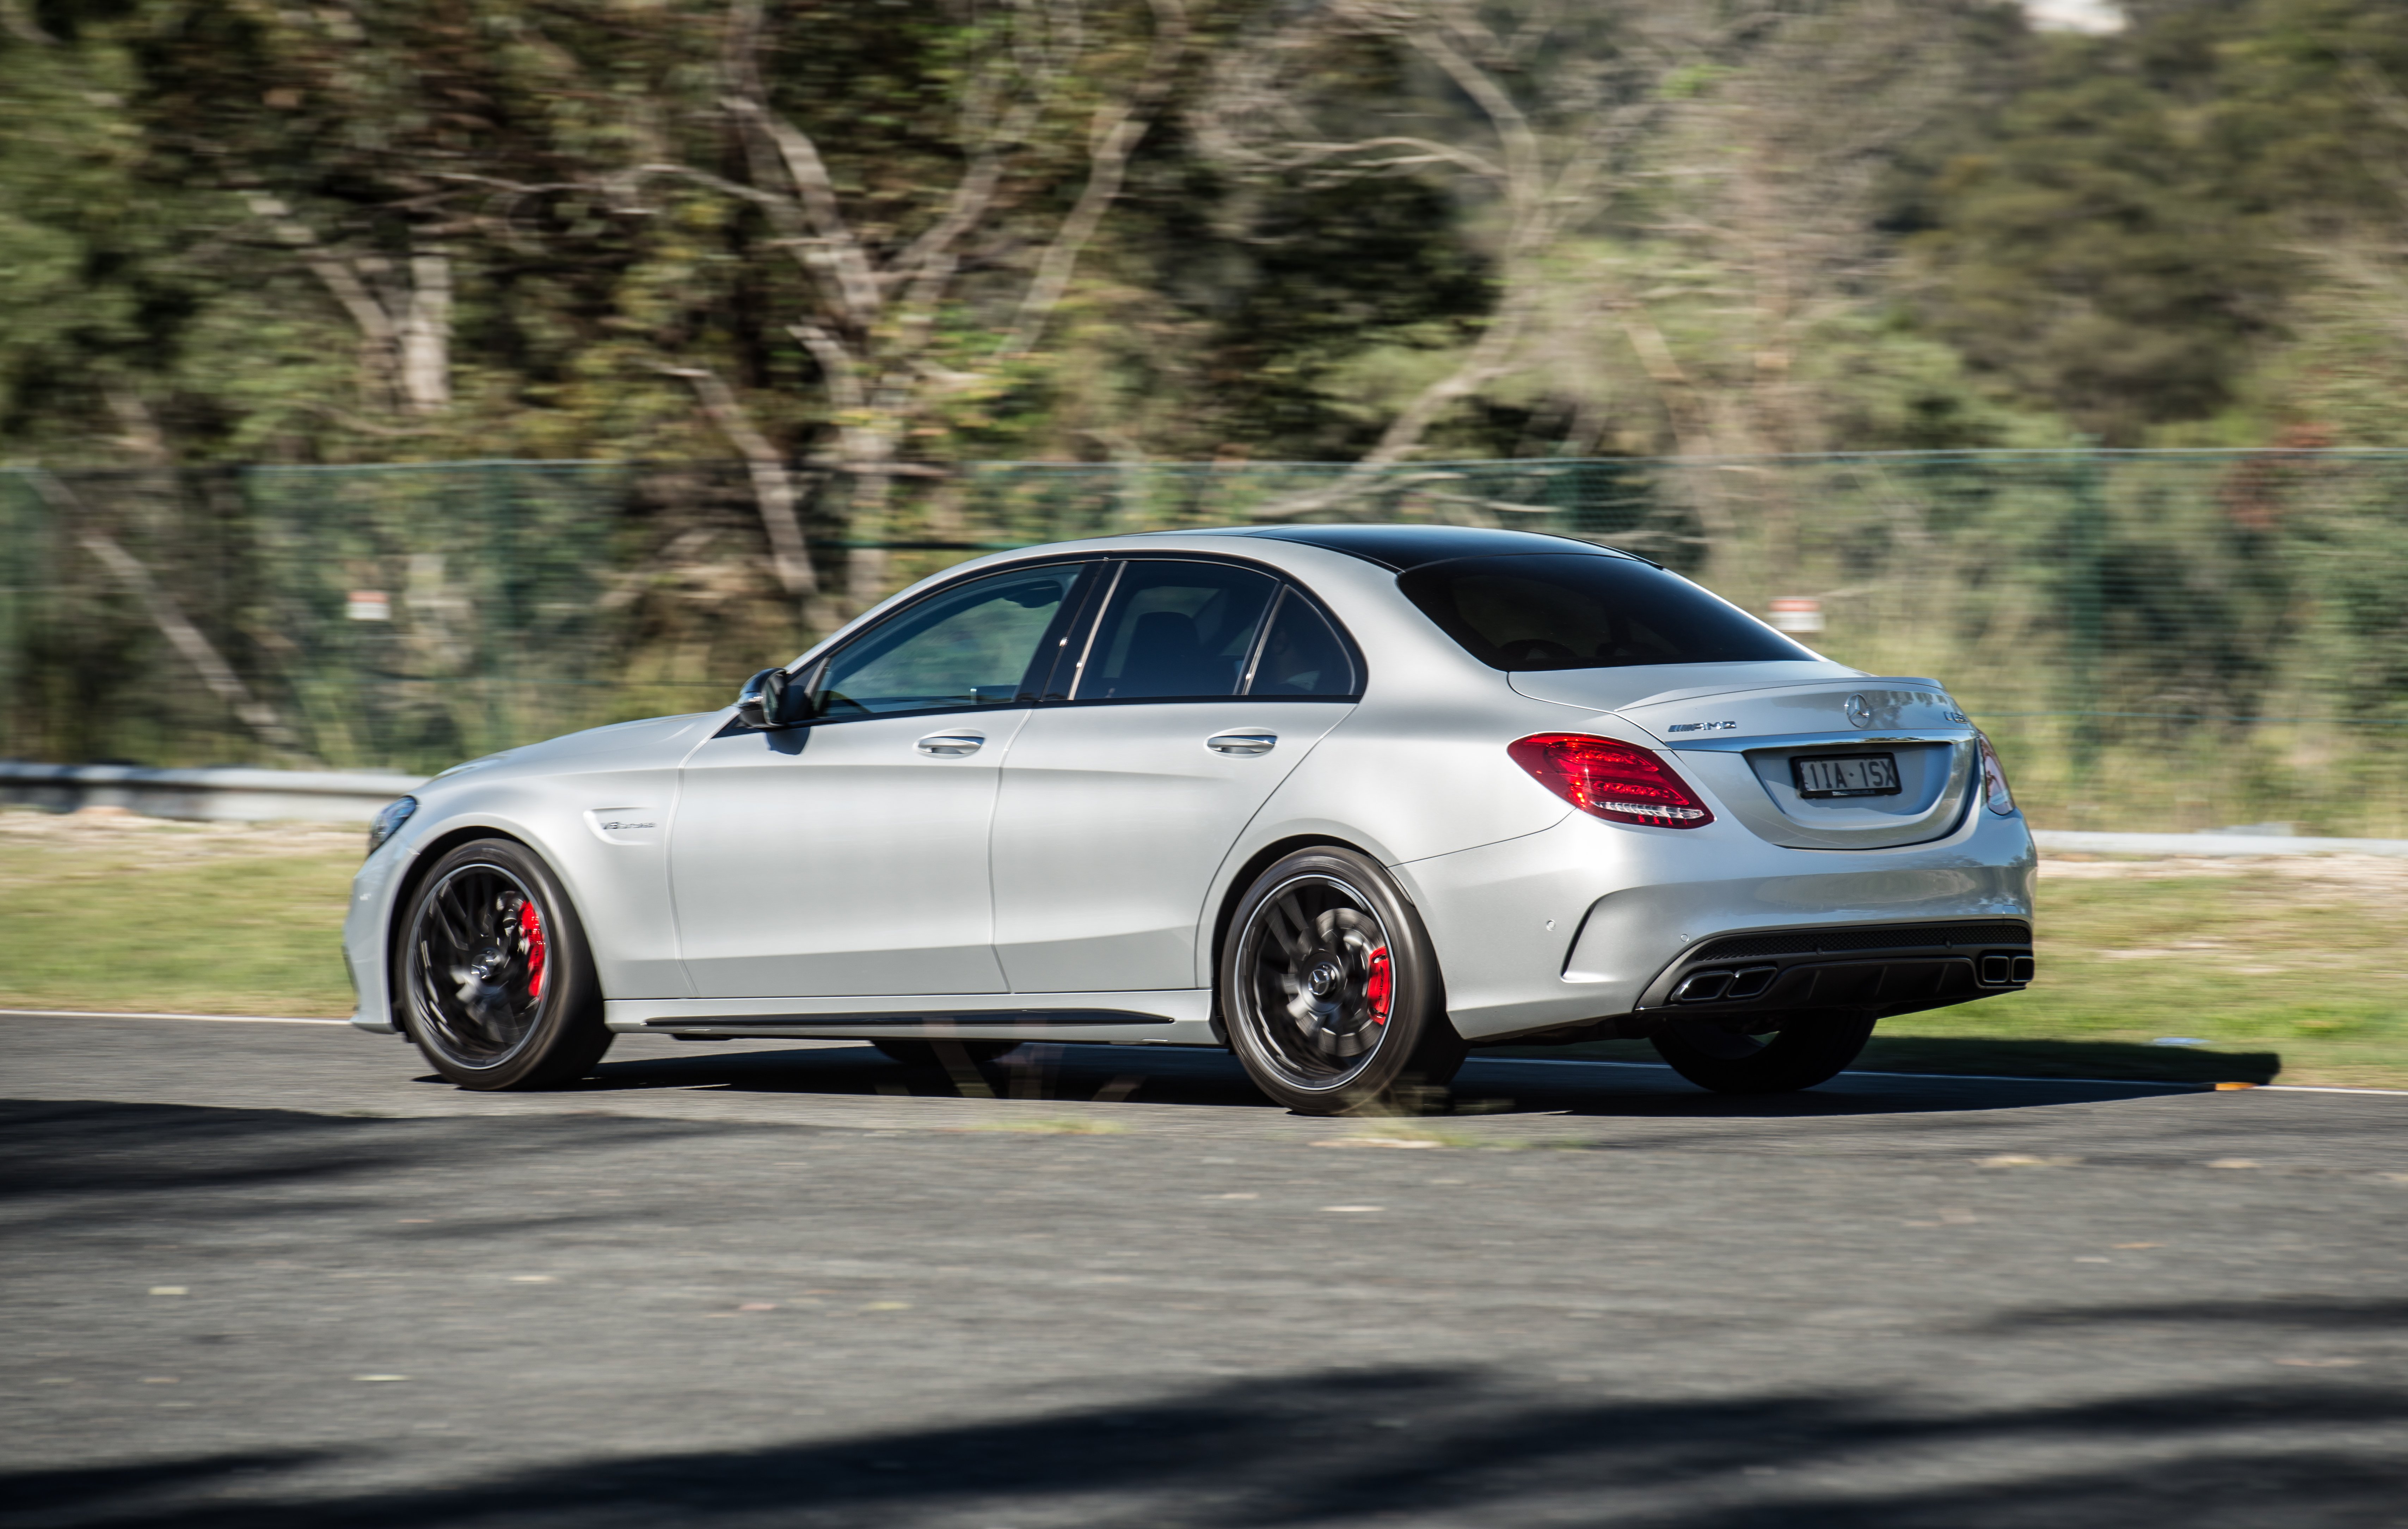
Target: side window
973	646
1302	656
1175	630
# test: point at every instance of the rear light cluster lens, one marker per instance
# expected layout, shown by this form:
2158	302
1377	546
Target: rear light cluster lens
1621	783
1994	779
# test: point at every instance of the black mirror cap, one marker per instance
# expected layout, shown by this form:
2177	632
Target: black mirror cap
762	702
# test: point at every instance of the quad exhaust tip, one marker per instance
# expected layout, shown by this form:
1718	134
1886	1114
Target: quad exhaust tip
1998	968
1711	987
2003	970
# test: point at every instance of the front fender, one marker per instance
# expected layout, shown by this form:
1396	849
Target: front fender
605	835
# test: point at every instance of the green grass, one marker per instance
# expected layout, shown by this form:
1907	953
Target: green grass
169	918
2296	969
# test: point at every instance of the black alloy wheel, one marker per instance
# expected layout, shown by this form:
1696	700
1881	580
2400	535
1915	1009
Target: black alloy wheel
1808	1048
1331	992
497	987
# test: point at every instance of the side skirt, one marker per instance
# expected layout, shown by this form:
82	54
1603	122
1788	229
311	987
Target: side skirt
1176	1018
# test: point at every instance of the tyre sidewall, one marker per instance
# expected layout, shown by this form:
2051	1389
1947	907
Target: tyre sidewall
1417	1040
568	1035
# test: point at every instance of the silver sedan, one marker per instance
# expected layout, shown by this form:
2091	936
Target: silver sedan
1347	800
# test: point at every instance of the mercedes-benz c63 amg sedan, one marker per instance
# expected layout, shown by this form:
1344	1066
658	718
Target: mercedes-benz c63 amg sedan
1347	800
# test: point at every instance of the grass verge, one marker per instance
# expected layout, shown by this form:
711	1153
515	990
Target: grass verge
127	913
2293	968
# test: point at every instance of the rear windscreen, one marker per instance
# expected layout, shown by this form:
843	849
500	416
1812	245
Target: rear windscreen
1582	610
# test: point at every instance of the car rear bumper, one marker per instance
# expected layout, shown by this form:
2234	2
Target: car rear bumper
1590	920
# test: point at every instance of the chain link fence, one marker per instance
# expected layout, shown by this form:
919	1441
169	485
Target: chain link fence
2157	639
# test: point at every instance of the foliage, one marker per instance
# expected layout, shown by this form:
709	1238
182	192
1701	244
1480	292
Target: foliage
233	230
2147	220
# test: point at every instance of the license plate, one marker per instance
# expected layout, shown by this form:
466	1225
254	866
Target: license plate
1846	774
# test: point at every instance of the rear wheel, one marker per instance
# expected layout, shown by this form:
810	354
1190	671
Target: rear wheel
930	1054
1330	991
1809	1049
497	987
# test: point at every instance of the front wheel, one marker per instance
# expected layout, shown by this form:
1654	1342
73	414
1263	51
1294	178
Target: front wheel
1809	1049
497	987
1330	990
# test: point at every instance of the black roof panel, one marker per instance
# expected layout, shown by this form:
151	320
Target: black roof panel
1406	547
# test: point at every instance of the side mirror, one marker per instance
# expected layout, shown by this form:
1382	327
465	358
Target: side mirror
762	702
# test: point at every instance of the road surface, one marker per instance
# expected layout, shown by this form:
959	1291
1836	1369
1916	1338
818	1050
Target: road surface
262	1275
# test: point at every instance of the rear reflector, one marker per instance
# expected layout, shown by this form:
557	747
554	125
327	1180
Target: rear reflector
1621	783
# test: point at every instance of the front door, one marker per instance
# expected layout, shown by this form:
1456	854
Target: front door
847	854
1118	807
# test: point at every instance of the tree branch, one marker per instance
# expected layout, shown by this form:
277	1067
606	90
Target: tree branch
773	486
856	282
164	613
1117	133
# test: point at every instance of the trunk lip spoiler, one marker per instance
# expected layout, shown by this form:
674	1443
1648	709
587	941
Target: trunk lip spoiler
1743	743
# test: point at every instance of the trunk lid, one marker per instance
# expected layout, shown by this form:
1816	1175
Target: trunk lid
1896	754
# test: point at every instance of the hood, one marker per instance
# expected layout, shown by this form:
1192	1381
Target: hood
664	741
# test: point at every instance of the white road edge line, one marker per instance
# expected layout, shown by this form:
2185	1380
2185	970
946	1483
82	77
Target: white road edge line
217	1019
1855	1072
1977	1077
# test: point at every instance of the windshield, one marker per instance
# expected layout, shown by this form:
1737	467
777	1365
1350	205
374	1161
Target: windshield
1583	611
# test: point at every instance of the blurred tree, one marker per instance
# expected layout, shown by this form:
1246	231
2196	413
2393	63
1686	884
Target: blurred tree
2131	232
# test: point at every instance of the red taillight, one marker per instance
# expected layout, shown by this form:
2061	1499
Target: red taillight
1621	783
1994	778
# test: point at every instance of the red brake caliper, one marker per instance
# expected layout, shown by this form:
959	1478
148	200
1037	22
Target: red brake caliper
1375	987
531	930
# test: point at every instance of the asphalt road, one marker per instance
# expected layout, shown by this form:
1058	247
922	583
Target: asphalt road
265	1274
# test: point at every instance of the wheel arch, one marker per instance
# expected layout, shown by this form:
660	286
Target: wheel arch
1248	872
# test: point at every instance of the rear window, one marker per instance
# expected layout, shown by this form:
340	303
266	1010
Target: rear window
1581	611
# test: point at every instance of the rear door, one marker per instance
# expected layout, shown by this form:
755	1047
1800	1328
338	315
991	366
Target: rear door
1200	687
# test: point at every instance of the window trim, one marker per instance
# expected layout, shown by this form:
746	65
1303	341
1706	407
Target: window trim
1287	585
1099	577
1079	613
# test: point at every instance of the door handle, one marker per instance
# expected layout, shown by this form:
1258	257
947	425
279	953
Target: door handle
1242	742
943	744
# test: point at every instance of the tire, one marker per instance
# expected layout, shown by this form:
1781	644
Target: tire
497	984
1331	992
932	1056
1811	1048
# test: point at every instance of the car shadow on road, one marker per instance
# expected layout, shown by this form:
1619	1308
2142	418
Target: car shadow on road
1045	1072
1398	1444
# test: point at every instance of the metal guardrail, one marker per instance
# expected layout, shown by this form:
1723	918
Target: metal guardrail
330	796
219	795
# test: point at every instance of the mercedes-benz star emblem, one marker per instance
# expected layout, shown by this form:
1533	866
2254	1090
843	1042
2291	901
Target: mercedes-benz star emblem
1860	711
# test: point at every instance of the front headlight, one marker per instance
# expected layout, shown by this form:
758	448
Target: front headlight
389	819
